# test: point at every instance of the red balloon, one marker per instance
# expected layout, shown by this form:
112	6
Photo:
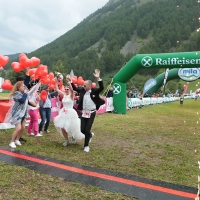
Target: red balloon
43	95
45	80
45	70
35	61
74	80
22	54
51	75
32	71
3	60
28	63
51	86
34	77
94	85
17	67
14	63
80	80
6	85
41	70
23	58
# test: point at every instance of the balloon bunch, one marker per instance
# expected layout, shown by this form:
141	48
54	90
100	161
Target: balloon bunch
24	63
42	73
3	61
80	81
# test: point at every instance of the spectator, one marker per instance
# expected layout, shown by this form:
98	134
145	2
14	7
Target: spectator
181	100
33	112
45	110
130	94
110	92
20	95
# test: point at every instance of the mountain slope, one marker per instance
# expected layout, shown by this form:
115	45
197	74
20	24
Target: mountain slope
113	34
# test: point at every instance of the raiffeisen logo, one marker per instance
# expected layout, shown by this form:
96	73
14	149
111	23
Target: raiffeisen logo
147	61
177	61
189	74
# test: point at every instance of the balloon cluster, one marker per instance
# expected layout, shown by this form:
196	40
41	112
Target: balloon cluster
24	63
40	72
80	81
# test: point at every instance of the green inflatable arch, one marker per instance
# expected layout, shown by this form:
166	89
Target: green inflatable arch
164	60
172	74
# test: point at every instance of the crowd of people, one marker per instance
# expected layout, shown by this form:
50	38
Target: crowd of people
136	94
74	122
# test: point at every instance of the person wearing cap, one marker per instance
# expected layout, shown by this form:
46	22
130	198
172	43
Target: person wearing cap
45	110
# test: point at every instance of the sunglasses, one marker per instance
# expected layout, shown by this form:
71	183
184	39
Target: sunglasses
66	88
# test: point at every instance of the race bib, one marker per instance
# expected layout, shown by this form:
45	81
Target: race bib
65	110
86	113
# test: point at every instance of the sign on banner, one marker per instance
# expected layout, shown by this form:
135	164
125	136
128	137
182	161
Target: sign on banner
109	104
102	108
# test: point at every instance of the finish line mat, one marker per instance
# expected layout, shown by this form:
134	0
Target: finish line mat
126	184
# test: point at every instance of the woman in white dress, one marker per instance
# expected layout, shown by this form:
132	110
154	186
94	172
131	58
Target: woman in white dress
67	122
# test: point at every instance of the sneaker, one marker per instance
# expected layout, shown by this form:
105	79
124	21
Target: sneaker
73	140
87	149
30	133
47	131
12	145
38	135
91	136
41	133
17	142
22	139
66	143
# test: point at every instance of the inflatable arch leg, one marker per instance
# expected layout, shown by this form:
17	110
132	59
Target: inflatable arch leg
164	60
172	74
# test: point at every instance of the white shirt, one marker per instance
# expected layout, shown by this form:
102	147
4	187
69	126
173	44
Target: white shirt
33	98
88	104
47	103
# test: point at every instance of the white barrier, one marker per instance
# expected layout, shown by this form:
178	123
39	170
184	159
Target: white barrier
136	102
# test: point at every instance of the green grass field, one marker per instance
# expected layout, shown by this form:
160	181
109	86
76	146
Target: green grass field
192	85
159	142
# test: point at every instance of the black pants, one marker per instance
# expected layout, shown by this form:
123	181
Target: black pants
86	125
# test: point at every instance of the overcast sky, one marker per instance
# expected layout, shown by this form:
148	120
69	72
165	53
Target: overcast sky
26	25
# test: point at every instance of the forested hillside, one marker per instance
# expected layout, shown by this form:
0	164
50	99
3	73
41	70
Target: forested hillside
100	41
